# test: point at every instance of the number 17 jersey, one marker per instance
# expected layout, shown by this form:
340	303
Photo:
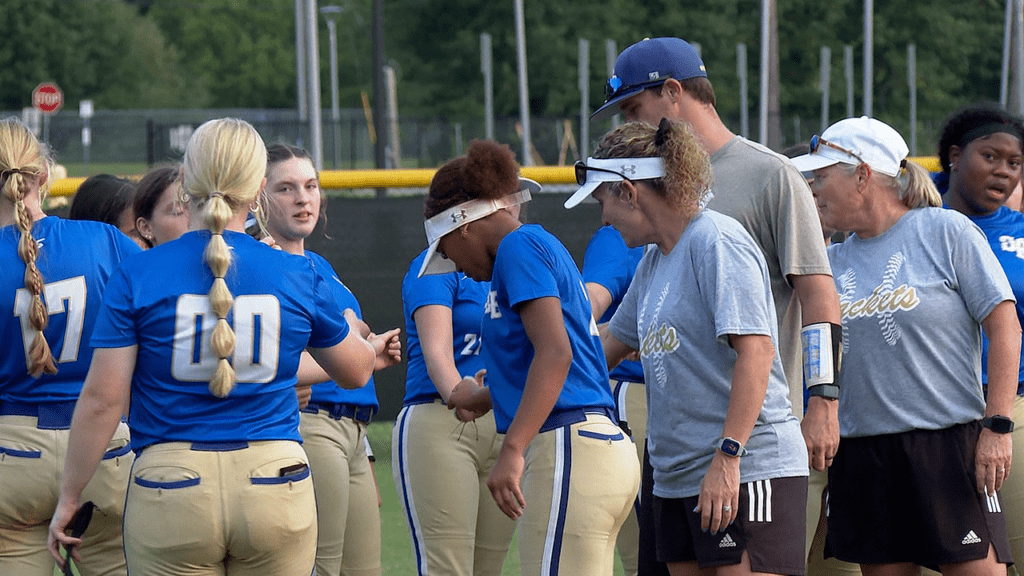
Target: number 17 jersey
76	258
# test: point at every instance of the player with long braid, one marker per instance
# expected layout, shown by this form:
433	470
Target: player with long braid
209	354
50	293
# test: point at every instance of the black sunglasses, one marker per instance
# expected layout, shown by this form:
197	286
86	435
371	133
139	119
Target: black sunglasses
614	85
817	141
581	172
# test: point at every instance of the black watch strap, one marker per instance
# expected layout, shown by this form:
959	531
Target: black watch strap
998	424
829	391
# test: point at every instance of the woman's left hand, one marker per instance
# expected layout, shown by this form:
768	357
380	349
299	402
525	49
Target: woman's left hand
388	348
992	460
719	493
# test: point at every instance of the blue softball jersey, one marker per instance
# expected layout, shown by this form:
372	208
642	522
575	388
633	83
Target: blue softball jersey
76	258
158	301
531	263
466	298
610	263
1004	230
330	392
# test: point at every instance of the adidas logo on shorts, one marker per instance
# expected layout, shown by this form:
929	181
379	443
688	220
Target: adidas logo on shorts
971	538
728	542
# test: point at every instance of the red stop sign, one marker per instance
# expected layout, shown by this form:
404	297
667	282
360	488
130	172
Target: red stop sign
47	98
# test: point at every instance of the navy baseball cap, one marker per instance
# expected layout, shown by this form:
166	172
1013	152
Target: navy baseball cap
648	63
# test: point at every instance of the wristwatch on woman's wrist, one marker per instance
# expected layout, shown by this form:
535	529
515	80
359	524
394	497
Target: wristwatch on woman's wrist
998	424
732	447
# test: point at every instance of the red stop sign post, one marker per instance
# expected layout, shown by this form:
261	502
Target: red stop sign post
47	98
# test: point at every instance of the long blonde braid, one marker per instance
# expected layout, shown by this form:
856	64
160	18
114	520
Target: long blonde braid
224	164
22	162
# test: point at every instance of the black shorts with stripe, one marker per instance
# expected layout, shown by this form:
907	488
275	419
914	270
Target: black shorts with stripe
912	497
769	526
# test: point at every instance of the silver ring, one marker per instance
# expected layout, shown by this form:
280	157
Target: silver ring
727	508
1002	469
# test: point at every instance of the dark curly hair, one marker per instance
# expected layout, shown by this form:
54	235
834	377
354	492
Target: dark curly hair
488	170
968	118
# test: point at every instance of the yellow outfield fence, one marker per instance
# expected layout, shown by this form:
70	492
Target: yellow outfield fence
417	178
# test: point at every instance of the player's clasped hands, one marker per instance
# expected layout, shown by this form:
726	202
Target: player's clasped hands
470	398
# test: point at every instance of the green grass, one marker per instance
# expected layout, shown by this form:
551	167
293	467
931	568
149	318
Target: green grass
79	170
396	548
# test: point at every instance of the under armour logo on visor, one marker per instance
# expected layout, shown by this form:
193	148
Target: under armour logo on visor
629	169
460	215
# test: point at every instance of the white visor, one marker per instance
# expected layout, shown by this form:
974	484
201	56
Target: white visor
615	170
451	219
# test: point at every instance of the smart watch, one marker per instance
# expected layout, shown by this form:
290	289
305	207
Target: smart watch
998	424
732	447
829	391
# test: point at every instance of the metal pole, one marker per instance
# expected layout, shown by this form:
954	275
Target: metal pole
912	83
331	14
524	100
394	143
1018	51
826	76
763	120
487	68
869	54
584	72
316	144
1004	77
741	72
379	91
848	74
611	53
300	59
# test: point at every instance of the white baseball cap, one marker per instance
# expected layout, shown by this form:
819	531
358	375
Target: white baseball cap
855	141
439	225
597	171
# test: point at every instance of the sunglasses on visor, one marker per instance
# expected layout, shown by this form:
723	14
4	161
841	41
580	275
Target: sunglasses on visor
581	172
817	141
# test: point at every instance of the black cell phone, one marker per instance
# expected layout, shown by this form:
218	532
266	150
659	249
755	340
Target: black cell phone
75	528
293	469
80	521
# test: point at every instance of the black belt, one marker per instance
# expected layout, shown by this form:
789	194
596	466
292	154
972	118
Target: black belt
362	414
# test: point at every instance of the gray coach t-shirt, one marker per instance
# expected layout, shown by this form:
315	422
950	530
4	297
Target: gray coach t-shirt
912	301
679	311
770	198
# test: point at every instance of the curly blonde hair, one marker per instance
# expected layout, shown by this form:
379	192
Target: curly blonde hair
224	165
687	167
23	162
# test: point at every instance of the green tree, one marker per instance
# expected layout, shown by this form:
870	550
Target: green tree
241	53
100	50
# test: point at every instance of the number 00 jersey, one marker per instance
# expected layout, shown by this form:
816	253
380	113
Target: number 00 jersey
76	258
158	301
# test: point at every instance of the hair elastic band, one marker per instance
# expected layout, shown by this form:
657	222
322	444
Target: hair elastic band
661	136
987	129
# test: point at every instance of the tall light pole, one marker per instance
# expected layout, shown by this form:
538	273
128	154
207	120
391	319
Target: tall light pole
869	54
316	137
524	99
331	14
300	58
